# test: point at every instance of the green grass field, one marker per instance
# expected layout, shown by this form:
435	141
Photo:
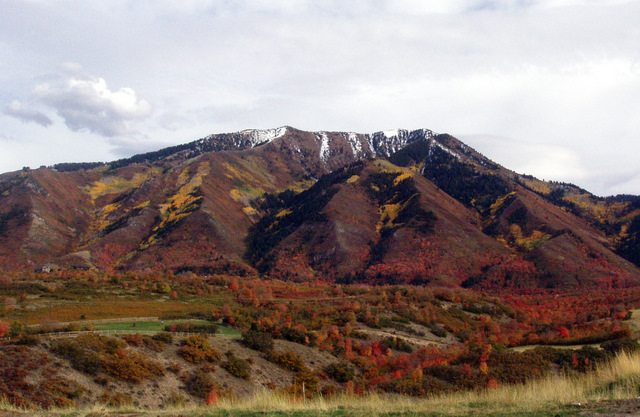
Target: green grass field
158	325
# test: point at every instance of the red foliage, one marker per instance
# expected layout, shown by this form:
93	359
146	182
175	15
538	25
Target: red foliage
4	328
212	398
563	332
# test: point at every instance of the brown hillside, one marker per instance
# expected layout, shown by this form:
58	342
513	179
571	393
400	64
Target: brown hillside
448	216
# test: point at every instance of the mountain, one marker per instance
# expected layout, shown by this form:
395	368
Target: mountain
390	207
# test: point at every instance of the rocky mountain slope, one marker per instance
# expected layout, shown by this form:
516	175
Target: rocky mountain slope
396	206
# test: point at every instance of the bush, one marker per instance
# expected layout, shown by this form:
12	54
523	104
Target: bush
438	331
260	341
154	343
115	399
18	365
200	384
396	343
83	360
188	327
340	371
423	387
616	346
308	379
287	360
297	336
163	337
131	366
27	340
237	367
196	349
93	353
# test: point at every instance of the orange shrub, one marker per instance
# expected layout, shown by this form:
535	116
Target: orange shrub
196	349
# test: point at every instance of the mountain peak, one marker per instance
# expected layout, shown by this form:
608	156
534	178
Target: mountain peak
434	211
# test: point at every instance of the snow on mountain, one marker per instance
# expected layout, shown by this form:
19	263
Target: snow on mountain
444	148
391	133
327	145
356	145
389	141
325	150
260	136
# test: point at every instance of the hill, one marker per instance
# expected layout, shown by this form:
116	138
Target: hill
390	207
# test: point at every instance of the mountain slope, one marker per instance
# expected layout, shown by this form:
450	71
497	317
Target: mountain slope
307	205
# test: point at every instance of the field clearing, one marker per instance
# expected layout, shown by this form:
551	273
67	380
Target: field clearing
101	310
159	325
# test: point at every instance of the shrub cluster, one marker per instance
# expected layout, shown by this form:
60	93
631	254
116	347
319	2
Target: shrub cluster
626	344
340	371
17	362
87	352
115	399
256	340
200	384
287	360
196	349
131	366
240	368
189	327
94	353
396	343
156	342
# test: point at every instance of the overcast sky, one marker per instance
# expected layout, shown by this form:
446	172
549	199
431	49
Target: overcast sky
544	87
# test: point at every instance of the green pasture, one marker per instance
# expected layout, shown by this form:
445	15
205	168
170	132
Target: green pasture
158	326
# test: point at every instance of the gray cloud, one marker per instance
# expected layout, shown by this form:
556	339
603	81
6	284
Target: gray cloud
86	102
19	111
559	79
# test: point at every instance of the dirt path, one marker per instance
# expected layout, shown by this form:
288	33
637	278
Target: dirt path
428	339
610	408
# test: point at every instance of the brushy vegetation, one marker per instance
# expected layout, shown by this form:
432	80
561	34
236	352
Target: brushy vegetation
287	360
553	395
240	368
196	349
399	340
95	354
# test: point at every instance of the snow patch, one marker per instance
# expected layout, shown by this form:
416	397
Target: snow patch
356	145
324	148
391	133
258	136
444	148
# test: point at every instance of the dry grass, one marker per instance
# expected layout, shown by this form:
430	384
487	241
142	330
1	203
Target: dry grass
105	309
618	379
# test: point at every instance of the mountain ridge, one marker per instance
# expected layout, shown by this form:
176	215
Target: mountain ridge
193	208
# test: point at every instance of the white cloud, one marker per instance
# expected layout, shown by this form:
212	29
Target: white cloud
545	161
549	73
86	102
19	111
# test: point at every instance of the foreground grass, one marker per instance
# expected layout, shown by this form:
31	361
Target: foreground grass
554	395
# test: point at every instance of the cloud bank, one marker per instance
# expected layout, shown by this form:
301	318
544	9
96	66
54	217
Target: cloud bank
86	102
558	80
19	111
